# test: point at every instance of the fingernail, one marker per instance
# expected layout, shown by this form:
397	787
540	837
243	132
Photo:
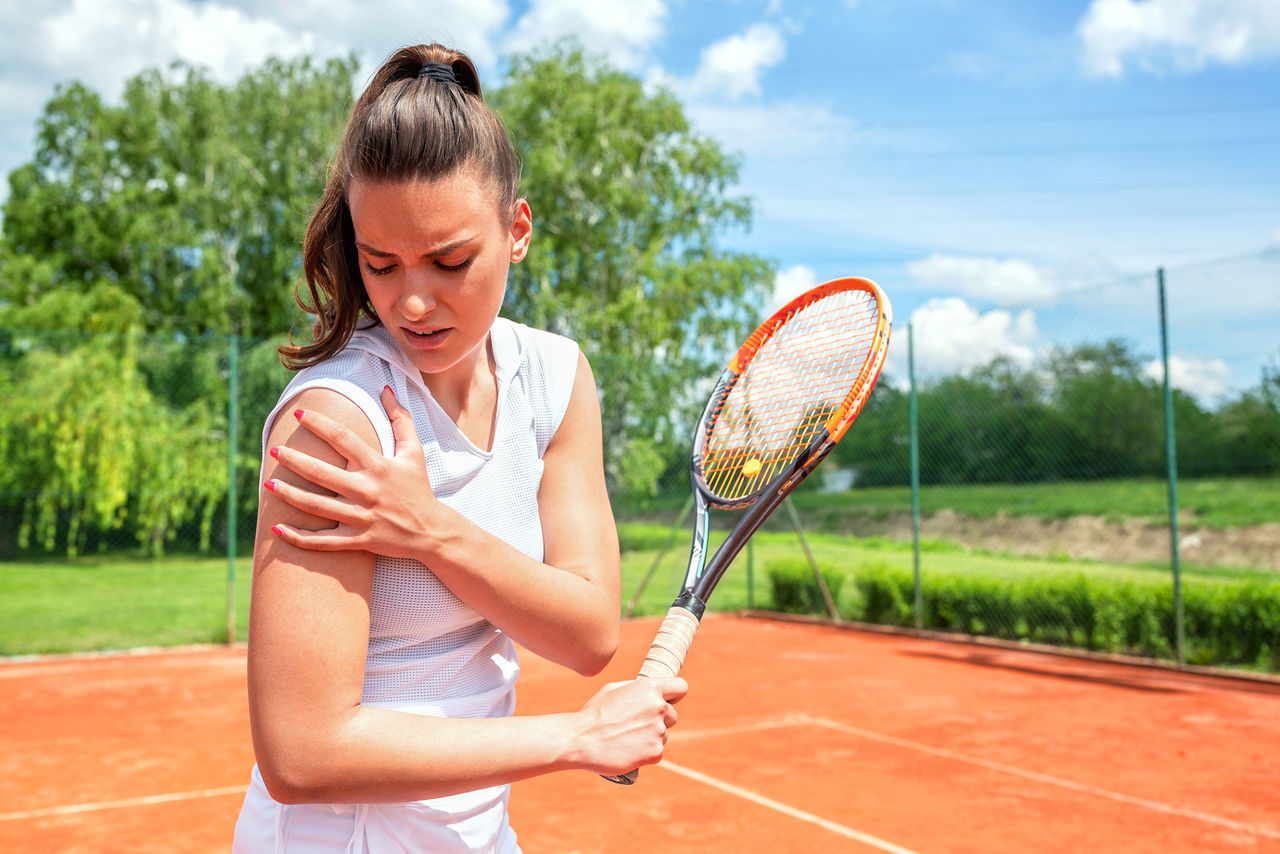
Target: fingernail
277	530
269	486
390	389
275	453
297	413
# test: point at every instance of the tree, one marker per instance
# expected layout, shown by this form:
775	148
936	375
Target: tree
189	196
87	445
1247	429
628	204
1114	414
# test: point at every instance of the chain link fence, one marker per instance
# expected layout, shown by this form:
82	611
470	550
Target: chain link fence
1010	476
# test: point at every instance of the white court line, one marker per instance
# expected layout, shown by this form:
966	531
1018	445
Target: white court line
745	794
1046	778
71	809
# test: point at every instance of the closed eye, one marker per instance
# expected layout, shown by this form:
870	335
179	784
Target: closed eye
378	271
454	268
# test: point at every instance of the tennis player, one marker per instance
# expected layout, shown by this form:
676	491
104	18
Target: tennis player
433	494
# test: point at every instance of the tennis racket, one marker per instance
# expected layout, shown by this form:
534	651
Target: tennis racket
788	395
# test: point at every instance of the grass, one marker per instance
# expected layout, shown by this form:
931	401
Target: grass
98	603
735	589
1214	502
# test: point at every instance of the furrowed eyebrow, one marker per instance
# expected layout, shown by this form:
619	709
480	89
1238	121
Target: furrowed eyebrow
434	253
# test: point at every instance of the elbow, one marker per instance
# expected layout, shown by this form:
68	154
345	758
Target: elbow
594	654
293	782
297	767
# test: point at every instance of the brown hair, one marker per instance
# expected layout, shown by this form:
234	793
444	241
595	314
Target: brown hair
415	121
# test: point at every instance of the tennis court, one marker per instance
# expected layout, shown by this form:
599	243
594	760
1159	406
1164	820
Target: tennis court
795	737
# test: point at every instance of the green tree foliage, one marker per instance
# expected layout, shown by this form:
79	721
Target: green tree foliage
1087	412
140	236
191	197
628	205
87	445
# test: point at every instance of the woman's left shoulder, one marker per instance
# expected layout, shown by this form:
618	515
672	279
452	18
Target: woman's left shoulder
536	343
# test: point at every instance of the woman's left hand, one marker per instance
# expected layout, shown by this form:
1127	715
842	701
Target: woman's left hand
380	504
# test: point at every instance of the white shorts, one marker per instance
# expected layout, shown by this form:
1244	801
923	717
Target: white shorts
473	822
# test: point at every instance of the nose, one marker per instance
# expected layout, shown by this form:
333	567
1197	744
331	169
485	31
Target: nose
416	297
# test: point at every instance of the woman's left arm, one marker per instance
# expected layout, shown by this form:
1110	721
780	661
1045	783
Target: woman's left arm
565	608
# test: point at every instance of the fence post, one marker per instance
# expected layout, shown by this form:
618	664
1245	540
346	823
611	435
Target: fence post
233	422
1171	453
915	477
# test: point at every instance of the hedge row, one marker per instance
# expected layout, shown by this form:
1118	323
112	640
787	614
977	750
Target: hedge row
1225	622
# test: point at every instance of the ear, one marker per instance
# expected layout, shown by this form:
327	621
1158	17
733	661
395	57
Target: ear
521	231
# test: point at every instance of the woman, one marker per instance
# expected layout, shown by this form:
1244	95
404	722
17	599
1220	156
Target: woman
460	456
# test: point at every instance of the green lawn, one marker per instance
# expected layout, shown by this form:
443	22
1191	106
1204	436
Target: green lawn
1215	502
98	603
115	603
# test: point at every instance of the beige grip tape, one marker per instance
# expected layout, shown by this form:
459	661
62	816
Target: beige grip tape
666	655
671	644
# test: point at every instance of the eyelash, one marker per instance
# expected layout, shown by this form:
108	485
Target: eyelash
448	268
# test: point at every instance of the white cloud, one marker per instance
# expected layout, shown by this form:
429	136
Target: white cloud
789	284
1186	34
623	30
103	43
951	336
776	132
732	67
1004	282
151	33
1206	379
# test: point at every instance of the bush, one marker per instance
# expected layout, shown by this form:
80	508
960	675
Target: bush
642	537
795	590
1225	622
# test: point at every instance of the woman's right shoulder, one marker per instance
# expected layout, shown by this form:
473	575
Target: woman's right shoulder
345	386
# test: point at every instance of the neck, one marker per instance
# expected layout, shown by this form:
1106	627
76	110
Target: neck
468	392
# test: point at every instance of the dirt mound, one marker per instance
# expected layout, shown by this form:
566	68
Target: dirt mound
1091	538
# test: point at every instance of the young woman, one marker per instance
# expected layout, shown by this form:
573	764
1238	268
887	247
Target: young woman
433	492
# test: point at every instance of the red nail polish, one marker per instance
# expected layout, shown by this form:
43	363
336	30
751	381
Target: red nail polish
297	413
277	530
390	389
269	486
275	453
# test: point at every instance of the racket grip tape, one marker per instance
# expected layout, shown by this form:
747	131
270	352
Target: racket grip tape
664	659
671	644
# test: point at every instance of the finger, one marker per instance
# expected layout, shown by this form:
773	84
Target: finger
406	435
674	689
319	541
322	474
339	437
328	507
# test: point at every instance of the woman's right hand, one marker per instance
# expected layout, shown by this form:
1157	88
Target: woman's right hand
625	724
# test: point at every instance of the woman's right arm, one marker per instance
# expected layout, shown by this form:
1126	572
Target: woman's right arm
308	636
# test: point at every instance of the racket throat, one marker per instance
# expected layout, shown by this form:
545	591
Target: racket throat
690	603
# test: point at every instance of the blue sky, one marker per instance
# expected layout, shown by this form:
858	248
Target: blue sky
1012	173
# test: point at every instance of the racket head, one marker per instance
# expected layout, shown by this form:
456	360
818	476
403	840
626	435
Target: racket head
791	392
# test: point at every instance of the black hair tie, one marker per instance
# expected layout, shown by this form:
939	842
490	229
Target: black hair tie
438	71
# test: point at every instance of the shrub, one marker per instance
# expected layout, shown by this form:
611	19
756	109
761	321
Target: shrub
796	591
1225	622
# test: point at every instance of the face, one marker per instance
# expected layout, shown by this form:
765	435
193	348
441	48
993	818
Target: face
434	257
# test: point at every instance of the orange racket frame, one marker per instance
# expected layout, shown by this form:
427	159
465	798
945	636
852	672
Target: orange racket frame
761	493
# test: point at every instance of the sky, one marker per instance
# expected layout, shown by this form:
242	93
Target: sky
1011	172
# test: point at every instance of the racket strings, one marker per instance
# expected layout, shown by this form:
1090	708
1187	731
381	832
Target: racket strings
804	371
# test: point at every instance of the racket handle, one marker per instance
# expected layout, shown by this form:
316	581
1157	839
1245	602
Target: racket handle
664	659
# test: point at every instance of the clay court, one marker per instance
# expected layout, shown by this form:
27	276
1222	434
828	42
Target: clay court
796	737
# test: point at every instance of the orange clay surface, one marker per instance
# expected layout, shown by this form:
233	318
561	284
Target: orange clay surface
794	738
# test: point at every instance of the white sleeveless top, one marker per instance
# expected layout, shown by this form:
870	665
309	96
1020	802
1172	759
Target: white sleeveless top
430	653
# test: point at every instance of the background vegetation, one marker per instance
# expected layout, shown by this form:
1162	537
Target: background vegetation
148	258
